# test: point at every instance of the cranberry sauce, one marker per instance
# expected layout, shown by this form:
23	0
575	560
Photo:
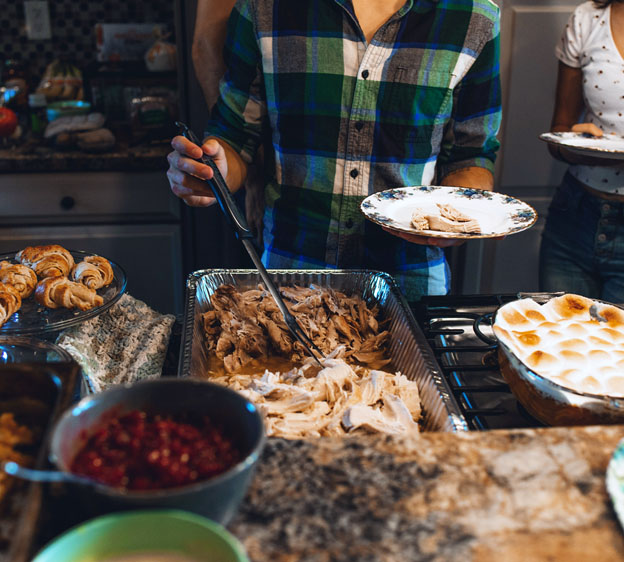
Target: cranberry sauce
142	451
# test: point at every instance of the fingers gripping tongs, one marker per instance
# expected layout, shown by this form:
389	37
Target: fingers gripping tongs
237	220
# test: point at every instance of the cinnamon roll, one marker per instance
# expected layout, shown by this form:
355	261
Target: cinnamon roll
47	261
19	276
10	302
93	271
60	292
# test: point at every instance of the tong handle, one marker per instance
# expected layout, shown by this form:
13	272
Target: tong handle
221	191
229	207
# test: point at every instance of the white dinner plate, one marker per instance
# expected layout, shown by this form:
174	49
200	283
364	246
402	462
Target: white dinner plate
608	146
615	480
496	213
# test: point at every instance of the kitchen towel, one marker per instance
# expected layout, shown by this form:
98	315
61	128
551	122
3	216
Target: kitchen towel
126	343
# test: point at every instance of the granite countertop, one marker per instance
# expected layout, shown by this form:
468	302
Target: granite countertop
520	495
504	495
36	158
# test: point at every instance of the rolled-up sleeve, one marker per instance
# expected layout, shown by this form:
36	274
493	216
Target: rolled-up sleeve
470	136
240	110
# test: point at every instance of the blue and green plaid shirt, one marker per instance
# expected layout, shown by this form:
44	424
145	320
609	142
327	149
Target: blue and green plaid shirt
349	118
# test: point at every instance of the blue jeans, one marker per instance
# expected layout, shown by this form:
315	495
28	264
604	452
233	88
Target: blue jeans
582	247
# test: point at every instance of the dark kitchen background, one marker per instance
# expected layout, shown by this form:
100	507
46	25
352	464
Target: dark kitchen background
111	195
73	24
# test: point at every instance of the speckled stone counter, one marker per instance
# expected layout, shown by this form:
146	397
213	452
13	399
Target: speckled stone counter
45	159
504	496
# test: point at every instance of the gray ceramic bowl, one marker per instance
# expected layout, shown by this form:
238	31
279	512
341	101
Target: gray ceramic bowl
218	497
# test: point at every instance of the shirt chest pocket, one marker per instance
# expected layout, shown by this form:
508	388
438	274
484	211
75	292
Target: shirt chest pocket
417	101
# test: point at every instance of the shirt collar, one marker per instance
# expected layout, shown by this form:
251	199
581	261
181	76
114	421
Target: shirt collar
420	5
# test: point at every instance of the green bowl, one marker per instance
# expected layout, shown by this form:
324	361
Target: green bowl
141	532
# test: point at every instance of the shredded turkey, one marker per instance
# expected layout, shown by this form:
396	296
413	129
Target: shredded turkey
449	219
337	399
244	327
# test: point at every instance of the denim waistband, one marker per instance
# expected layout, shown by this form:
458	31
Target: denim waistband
602	195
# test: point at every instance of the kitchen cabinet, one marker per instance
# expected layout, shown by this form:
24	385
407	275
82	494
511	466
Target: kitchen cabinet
129	217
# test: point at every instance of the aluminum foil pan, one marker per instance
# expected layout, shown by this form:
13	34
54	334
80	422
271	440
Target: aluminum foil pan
409	350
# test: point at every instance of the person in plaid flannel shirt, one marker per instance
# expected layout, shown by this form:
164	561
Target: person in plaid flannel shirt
357	96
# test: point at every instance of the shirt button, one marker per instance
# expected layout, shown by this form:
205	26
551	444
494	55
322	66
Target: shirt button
606	207
365	74
349	223
602	237
359	125
604	222
354	173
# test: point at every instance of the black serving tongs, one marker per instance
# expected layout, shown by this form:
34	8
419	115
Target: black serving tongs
237	220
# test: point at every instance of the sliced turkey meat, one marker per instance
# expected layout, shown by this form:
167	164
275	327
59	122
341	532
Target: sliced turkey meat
334	400
244	327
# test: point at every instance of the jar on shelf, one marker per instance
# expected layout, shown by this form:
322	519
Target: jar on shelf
38	116
14	76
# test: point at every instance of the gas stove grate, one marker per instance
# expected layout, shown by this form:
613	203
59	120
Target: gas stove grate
459	332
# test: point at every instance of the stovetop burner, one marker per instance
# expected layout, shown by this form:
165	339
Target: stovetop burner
459	331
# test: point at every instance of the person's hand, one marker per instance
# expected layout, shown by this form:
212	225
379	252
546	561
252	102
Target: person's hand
430	241
187	176
588	128
571	157
425	240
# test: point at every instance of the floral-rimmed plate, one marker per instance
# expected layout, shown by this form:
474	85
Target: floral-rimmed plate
608	146
496	213
33	318
615	480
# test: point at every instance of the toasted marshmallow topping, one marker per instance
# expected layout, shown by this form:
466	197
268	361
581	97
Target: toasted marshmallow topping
571	340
